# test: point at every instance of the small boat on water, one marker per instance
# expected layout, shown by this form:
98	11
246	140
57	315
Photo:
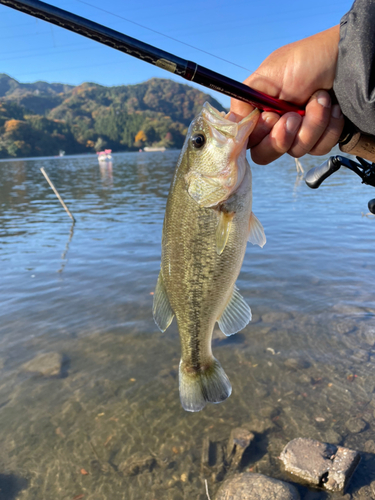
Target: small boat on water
105	155
150	149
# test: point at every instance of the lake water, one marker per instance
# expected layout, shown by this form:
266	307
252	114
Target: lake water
110	424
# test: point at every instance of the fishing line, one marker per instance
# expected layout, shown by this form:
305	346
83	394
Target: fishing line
162	34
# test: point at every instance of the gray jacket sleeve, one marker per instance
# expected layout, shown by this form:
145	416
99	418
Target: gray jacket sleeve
354	83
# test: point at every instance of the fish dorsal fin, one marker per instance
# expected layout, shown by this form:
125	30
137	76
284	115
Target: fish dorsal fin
256	231
222	231
236	314
161	309
206	191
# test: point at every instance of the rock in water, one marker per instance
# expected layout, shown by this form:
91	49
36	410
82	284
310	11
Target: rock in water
321	464
249	486
239	441
136	464
48	364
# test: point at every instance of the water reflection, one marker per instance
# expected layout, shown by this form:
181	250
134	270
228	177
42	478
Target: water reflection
303	367
65	253
106	172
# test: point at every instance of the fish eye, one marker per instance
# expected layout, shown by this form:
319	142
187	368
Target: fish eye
198	140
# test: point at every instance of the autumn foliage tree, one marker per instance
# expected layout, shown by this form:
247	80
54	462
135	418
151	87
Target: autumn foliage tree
40	120
139	139
141	136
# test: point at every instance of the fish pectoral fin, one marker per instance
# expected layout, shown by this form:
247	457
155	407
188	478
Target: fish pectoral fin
256	231
222	231
236	314
206	191
161	309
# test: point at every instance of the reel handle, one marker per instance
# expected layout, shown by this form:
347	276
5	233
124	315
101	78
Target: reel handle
317	175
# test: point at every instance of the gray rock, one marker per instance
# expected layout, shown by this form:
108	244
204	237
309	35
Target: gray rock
356	425
239	441
369	446
248	486
48	364
320	464
332	436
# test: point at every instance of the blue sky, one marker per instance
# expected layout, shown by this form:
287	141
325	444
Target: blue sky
243	32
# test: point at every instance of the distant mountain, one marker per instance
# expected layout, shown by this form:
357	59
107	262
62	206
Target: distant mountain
40	118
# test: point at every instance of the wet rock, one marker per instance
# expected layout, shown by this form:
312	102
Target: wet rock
239	441
321	464
332	436
369	446
356	425
48	364
364	493
367	333
260	426
249	486
136	464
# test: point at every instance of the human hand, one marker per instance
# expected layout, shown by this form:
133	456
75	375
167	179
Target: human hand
301	72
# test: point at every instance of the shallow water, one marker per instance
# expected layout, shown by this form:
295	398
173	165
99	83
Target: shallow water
302	368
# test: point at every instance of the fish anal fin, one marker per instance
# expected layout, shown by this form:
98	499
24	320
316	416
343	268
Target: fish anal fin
236	314
256	231
222	231
161	309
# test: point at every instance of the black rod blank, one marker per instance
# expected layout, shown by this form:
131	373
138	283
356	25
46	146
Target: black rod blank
186	69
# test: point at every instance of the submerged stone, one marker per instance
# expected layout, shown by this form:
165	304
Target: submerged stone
136	464
296	364
356	425
250	486
321	464
239	441
48	364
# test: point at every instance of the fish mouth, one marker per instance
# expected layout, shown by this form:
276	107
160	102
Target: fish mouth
222	128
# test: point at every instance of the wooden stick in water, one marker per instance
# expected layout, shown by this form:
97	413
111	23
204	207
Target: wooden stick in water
57	194
207	493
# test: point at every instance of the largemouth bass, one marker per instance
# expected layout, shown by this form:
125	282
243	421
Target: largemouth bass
208	220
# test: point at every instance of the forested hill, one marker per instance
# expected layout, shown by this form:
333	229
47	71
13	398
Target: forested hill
39	119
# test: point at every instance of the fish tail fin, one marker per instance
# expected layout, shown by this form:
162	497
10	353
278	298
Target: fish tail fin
199	387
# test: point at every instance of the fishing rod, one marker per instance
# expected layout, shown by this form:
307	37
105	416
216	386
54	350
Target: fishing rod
351	141
186	69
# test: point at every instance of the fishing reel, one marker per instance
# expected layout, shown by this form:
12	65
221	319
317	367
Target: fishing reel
363	168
